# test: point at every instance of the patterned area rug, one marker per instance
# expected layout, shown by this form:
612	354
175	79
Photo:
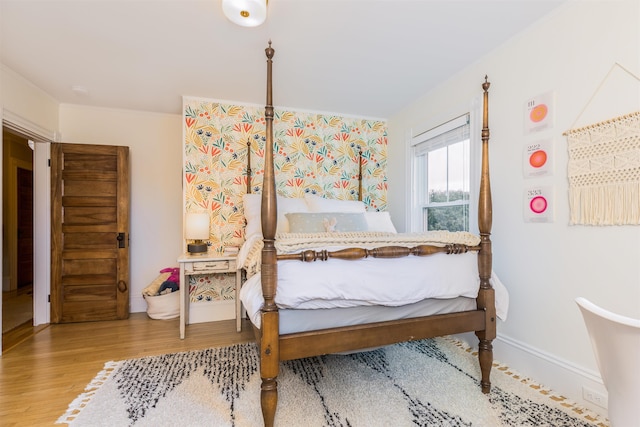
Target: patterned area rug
422	383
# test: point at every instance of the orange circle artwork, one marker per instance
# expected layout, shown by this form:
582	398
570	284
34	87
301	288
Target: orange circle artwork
538	158
538	113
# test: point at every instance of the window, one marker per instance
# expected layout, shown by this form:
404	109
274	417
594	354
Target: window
441	183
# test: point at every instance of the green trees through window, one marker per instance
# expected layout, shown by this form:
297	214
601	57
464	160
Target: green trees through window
451	217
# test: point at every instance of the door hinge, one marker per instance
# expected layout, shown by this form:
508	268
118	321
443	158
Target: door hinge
49	298
49	162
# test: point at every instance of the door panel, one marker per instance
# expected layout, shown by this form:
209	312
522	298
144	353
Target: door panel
80	163
90	208
80	293
88	201
77	187
78	311
80	240
93	215
89	267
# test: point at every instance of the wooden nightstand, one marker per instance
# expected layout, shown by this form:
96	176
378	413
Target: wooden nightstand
191	265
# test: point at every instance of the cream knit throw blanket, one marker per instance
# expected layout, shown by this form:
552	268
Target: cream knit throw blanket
296	242
604	172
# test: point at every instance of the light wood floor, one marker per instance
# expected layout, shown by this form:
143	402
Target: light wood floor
42	375
17	307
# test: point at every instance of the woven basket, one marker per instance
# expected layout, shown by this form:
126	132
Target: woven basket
163	307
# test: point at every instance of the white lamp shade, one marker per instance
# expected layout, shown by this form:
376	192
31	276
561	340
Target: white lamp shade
246	13
196	226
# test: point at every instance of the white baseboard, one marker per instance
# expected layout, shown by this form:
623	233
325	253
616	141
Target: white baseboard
137	304
560	375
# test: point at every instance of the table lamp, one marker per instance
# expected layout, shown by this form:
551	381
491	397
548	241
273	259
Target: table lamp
196	230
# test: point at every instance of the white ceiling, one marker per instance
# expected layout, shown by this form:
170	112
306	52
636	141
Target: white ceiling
353	57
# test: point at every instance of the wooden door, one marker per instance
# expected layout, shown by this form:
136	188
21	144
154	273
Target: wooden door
89	232
25	227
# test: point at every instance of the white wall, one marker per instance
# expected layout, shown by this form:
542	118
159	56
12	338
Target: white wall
22	100
545	266
155	150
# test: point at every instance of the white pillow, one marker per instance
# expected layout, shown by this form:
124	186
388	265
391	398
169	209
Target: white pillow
288	205
251	203
380	221
252	206
320	204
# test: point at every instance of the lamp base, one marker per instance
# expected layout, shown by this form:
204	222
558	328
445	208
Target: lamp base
197	248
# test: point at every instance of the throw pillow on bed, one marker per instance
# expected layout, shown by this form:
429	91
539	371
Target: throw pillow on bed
323	222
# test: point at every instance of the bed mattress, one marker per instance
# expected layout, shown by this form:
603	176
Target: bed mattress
292	320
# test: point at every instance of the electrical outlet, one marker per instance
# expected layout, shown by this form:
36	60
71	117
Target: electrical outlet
594	397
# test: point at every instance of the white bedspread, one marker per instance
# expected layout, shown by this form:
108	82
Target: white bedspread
367	282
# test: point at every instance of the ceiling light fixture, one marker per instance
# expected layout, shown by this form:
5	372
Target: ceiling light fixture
246	13
80	90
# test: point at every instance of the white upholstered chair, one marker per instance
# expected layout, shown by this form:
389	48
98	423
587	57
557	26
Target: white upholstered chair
616	344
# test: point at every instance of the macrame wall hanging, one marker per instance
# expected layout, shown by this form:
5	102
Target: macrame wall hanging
604	169
604	172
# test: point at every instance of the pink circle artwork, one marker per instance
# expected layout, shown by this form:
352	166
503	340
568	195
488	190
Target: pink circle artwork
538	204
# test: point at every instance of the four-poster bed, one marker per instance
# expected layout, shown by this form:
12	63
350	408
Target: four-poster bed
283	338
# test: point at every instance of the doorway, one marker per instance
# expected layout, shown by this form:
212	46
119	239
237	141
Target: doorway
17	241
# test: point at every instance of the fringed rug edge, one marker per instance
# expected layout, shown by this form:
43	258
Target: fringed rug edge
80	402
576	409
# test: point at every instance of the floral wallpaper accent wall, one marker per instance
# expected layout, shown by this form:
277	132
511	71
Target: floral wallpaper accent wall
313	153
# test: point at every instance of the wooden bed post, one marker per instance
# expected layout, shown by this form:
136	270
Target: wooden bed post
360	174
249	172
486	294
269	342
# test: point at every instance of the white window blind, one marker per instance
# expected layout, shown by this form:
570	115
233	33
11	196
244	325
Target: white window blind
447	133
